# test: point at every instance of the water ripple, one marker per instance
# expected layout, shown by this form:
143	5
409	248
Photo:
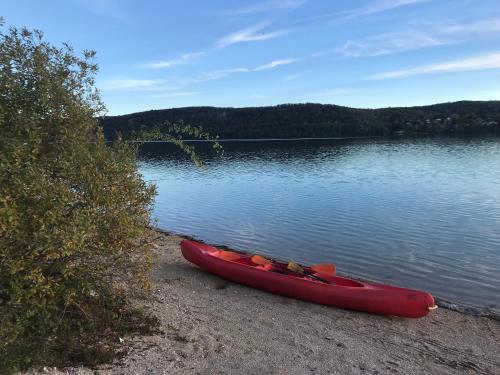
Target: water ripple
419	213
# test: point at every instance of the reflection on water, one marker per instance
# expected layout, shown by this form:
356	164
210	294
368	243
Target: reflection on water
421	213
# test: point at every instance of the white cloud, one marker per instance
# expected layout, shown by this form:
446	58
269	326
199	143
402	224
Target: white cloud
136	85
176	94
408	40
379	6
129	84
249	34
386	44
274	64
219	74
373	8
486	26
291	77
490	61
268	6
183	59
320	54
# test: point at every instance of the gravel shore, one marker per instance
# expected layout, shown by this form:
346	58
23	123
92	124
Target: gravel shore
211	326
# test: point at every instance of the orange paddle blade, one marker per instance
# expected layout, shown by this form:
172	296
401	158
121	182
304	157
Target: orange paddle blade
257	259
229	255
328	269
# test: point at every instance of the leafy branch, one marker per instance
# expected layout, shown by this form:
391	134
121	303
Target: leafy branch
175	133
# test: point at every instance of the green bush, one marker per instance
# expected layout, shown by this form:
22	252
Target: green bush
74	212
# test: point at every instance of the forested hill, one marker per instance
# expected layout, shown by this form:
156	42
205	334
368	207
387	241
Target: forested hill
318	120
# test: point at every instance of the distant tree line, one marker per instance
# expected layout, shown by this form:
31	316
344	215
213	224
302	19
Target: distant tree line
318	120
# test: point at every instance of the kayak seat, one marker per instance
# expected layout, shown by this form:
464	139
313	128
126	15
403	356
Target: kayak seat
229	255
266	267
245	261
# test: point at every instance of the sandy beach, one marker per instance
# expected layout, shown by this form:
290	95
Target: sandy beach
211	326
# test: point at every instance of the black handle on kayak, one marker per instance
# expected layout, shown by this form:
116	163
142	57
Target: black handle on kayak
317	278
304	273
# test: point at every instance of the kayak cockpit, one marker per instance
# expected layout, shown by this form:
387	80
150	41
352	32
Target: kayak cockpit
281	268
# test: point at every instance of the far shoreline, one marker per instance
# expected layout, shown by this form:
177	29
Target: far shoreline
269	139
389	136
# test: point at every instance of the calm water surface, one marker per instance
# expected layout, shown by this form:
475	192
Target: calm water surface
421	213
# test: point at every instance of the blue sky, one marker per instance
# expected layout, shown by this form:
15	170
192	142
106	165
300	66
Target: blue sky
367	53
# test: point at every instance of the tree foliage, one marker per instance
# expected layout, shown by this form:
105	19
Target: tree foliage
174	133
74	212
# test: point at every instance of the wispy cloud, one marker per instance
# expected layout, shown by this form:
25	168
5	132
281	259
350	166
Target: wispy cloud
291	77
268	6
222	73
408	40
320	54
183	59
249	34
274	64
176	94
132	84
129	84
216	74
270	65
485	26
378	7
386	44
374	7
490	61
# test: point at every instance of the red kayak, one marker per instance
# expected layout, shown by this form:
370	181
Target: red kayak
311	285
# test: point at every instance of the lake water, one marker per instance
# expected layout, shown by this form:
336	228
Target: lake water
422	213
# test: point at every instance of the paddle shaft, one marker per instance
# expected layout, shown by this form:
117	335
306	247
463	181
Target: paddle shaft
263	261
317	277
304	273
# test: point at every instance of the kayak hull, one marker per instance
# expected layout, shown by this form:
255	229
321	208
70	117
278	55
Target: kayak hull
339	292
